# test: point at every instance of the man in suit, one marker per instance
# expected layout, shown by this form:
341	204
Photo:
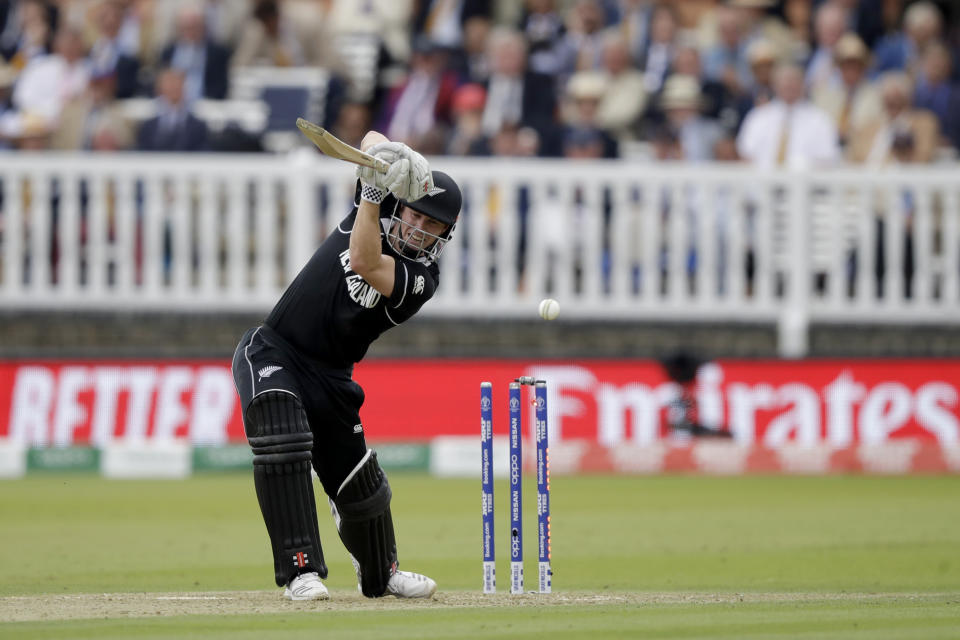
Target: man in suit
110	51
937	92
204	62
516	95
174	128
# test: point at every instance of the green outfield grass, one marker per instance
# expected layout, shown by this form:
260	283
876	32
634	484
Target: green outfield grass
871	557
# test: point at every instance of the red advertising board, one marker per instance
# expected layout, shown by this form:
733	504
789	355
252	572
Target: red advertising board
606	401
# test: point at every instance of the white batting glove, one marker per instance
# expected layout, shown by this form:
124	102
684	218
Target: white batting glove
373	184
409	178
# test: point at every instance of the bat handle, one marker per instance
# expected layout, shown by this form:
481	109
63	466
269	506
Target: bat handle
380	166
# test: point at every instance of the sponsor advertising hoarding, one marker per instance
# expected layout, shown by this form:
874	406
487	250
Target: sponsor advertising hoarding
607	402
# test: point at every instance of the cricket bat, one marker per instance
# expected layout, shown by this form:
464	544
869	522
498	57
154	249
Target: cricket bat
332	146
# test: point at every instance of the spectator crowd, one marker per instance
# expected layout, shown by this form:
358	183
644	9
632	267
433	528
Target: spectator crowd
772	82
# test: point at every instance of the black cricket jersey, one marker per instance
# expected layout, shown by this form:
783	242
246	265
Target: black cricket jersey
331	314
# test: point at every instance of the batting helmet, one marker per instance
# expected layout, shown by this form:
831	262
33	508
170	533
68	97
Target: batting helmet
441	204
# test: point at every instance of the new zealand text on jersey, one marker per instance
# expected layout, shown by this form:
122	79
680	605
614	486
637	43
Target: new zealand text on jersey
358	288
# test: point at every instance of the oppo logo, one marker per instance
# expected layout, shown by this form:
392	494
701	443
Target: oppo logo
514	470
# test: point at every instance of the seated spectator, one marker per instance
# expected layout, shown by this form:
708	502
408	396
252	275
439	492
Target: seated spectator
830	24
224	20
757	22
585	91
268	39
726	60
544	29
422	102
658	57
681	102
29	32
666	143
717	101
112	50
515	95
203	61
762	57
8	76
584	38
353	122
49	81
470	62
902	133
789	131
938	93
467	134
313	28
901	50
443	21
856	101
511	141
584	144
174	128
94	119
798	15
626	96
634	23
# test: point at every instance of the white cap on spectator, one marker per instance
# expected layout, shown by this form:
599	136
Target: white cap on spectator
762	50
851	47
587	85
681	92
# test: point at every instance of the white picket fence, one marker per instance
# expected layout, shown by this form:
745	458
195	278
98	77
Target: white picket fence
610	240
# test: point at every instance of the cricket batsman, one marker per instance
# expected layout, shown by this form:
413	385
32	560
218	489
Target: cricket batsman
294	374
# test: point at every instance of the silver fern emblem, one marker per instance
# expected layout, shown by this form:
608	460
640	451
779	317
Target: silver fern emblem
266	372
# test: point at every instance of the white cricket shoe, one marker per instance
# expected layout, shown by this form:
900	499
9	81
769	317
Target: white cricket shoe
406	584
306	586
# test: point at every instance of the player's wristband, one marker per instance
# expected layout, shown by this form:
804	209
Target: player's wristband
372	194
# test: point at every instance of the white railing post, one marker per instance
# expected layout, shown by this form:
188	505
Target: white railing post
794	321
301	214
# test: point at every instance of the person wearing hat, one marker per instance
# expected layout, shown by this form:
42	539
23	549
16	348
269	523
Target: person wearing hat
681	102
294	374
758	22
855	101
625	96
902	133
586	91
762	57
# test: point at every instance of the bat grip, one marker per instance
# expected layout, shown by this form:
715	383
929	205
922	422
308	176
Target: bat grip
380	166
